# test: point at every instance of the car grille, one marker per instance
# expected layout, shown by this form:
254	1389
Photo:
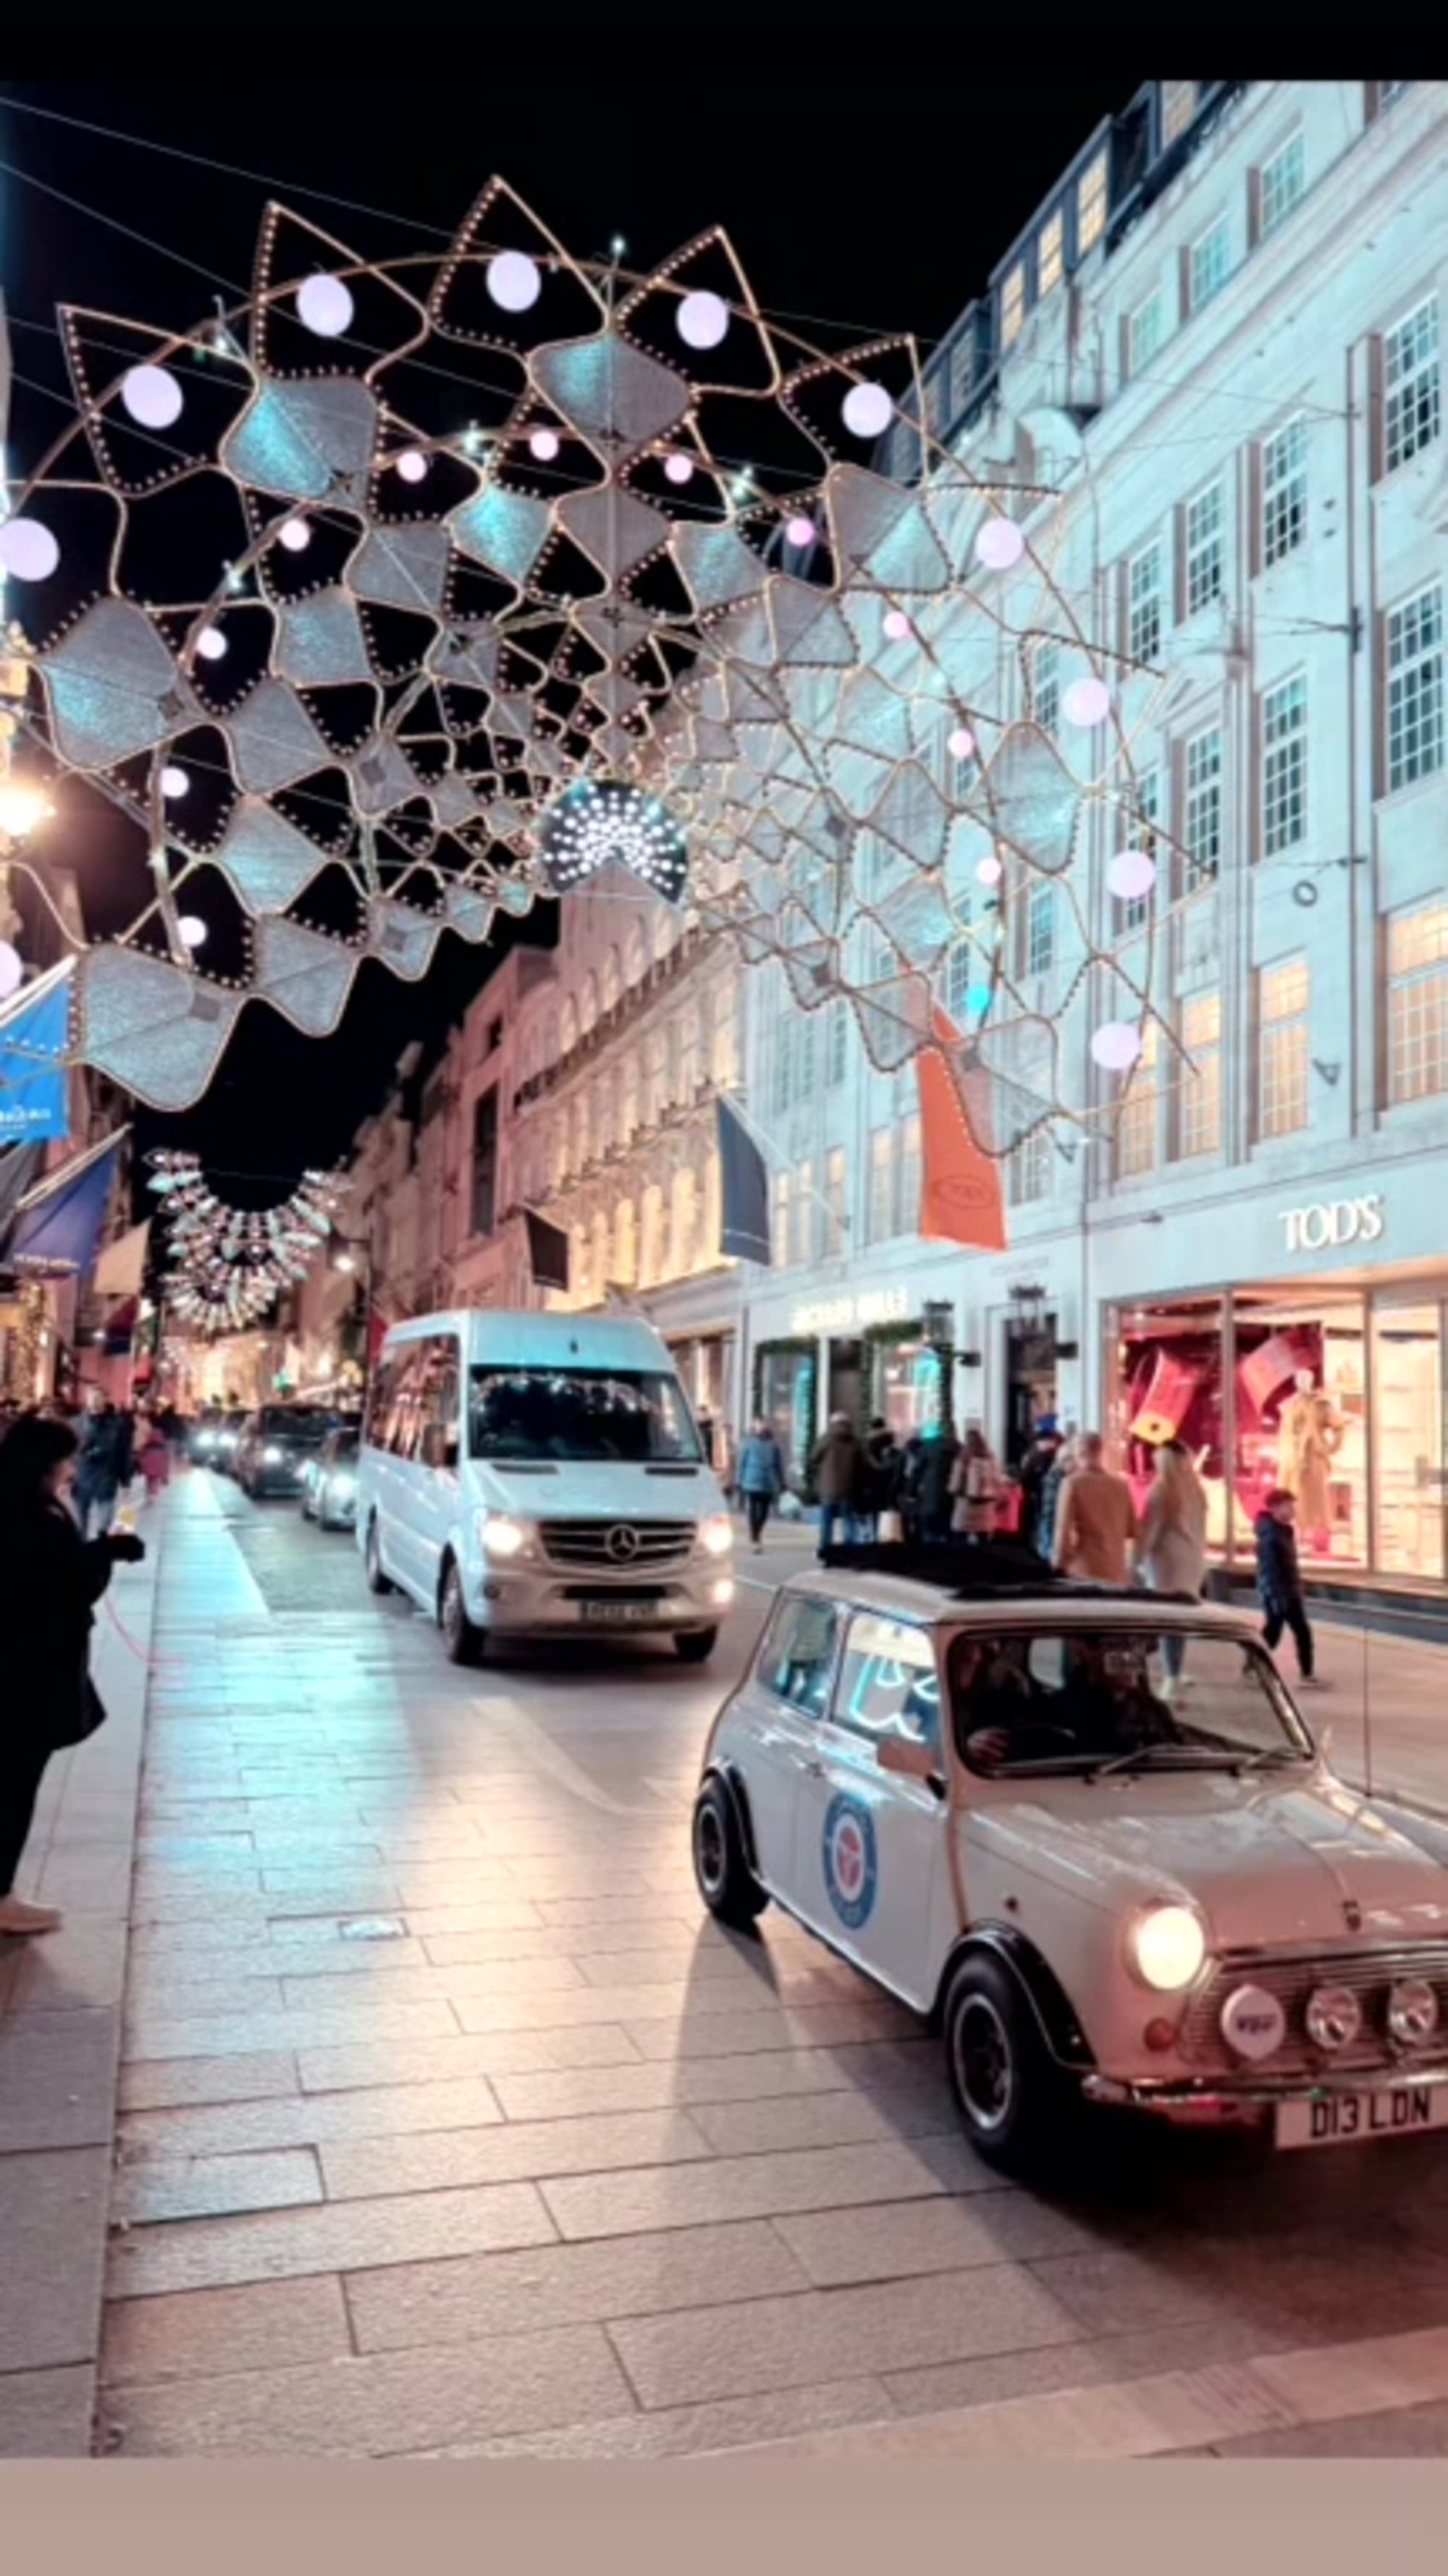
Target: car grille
602	1547
1293	1979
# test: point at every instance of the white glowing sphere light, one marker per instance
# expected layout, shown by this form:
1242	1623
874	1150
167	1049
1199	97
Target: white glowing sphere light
325	305
174	780
28	550
152	396
1087	702
295	535
1131	875
192	930
962	743
211	644
703	320
544	445
514	281
999	544
867	411
800	531
411	464
679	469
1115	1046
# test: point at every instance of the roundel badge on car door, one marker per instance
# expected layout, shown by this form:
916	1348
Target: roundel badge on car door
849	1859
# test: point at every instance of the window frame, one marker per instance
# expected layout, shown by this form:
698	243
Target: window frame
1048	250
1093	192
788	1604
1202	290
855	1729
1270	219
1282	493
1295	1024
1152	602
1197	550
1192	1085
1283	757
1400	449
1197	874
1137	359
1402	981
1398	774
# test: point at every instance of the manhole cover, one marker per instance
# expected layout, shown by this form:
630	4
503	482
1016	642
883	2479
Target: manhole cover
375	1927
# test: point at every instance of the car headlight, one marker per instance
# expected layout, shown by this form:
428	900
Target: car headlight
717	1534
1412	2011
499	1535
271	1457
1333	2017
1167	1945
342	1487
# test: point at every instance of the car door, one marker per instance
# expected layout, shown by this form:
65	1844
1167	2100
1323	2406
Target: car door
435	1474
784	1700
870	1844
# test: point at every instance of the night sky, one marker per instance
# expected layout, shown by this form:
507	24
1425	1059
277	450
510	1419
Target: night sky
879	207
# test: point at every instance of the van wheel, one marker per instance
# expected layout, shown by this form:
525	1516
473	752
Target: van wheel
377	1581
726	1883
696	1646
1012	2099
464	1642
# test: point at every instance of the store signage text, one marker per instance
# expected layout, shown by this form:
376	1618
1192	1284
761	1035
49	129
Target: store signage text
851	1314
1333	1221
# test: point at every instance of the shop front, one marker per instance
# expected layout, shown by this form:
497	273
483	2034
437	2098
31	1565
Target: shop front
872	1354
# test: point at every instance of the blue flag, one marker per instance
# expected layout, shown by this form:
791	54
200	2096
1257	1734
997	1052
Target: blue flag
33	1033
744	1195
57	1228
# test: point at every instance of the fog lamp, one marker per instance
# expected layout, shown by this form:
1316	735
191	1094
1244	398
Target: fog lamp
1412	2011
1333	2017
722	1592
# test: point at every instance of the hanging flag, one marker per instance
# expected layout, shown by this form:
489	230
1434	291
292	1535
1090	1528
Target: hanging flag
120	1326
57	1225
19	1171
744	1189
960	1186
122	1266
34	1027
547	1252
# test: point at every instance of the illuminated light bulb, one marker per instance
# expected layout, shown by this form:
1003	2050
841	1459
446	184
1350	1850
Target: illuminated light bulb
867	410
800	531
211	643
514	280
152	396
325	306
1086	702
21	808
295	535
411	464
11	970
174	781
702	320
1115	1046
679	469
191	930
989	871
1130	875
961	745
999	544
28	550
897	624
544	445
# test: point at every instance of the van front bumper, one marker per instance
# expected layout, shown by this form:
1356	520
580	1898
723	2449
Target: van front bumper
1247	2100
531	1602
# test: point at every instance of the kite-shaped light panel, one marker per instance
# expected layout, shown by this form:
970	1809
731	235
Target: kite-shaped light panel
412	589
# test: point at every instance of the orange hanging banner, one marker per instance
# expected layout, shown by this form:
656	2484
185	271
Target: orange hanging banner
960	1186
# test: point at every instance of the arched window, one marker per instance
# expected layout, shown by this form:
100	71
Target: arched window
629	1104
610	979
557	1152
689	1067
637	957
568	1027
585	1131
601	1272
587	1005
626	1253
655	1096
709	1250
651	1253
666	931
683	1225
550	1039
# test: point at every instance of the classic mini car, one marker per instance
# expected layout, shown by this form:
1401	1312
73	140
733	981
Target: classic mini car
1087	1832
329	1480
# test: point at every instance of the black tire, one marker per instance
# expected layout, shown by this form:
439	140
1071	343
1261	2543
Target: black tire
307	1512
377	1581
696	1645
1012	2098
462	1641
722	1873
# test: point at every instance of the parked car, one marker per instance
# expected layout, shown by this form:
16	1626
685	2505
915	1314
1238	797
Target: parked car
228	1442
1105	1892
276	1444
530	1474
205	1432
328	1484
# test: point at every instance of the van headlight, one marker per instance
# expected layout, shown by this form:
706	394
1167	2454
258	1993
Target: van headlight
501	1537
1166	1946
271	1457
716	1535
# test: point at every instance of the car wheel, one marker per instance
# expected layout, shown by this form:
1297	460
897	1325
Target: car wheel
307	1511
324	1518
463	1641
1009	2094
696	1646
726	1882
377	1581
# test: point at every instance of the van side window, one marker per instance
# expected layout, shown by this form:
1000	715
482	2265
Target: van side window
888	1682
798	1653
437	1402
379	1402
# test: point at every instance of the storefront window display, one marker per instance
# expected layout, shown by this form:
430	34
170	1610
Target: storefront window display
785	1381
904	1380
1408	1482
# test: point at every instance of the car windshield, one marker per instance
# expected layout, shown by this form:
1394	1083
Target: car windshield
1038	1699
294	1422
523	1413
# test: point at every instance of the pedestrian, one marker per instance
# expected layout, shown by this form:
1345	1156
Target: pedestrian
974	1488
50	1578
103	1463
1042	1451
837	1472
1095	1518
705	1420
1279	1583
912	1469
941	1451
153	1454
882	1473
1044	1533
760	1477
1171	1543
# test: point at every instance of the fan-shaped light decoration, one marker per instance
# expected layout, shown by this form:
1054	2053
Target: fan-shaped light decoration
445	691
229	1263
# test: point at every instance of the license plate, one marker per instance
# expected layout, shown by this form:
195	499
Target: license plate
616	1614
1343	2119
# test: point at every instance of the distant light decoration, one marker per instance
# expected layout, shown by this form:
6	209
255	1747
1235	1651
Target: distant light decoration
867	411
211	644
295	535
152	396
679	469
800	531
989	870
12	970
191	930
22	807
999	544
1115	1046
514	281
1086	702
544	444
1130	875
961	745
896	624
703	320
325	305
28	549
411	464
604	821
229	1263
174	780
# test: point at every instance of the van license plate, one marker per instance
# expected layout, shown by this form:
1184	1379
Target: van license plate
616	1614
1340	2119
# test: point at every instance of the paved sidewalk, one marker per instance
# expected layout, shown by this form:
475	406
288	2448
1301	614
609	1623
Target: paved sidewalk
60	2015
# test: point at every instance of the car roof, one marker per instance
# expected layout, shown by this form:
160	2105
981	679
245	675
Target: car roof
1056	1604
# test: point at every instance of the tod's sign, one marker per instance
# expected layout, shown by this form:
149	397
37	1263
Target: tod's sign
1330	1223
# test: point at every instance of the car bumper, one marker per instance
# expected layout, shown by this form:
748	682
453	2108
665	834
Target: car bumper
540	1602
1234	2101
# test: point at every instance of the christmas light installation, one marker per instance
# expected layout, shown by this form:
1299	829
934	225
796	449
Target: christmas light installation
230	1263
451	667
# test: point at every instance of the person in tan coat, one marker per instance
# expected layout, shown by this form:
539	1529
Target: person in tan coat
1095	1519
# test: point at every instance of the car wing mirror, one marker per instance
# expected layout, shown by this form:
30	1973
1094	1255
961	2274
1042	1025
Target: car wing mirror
911	1760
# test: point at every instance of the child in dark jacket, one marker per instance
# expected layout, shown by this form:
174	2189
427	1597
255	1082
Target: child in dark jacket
1279	1584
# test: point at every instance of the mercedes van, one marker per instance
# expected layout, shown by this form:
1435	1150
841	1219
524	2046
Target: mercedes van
533	1475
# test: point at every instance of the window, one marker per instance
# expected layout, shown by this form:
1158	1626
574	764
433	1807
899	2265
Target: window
1209	263
1410	384
1284	178
584	1130
723	1051
798	1653
1205	520
1202	819
1178	107
1090	205
1199	1128
610	980
576	1412
878	1226
837	1039
683	1224
781	1219
804	1212
1143	837
1040	929
651	1250
1028	1170
1050	258
1418	1002
1046	687
626	1254
1144	333
587	1006
907	1174
629	1101
568	1027
888	1683
1284	491
485	1161
1282	1033
834	1201
1415	688
1013	304
962	970
689	1068
1143	605
1137	1122
1284	765
794	1058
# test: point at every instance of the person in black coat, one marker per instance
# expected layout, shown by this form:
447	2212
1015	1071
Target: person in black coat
103	1461
1279	1582
50	1580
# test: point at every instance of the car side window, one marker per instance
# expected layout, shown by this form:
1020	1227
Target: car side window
888	1682
797	1657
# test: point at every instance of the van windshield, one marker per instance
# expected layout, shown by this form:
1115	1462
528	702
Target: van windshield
579	1413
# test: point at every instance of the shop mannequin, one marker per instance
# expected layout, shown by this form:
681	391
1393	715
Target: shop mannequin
1309	1434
